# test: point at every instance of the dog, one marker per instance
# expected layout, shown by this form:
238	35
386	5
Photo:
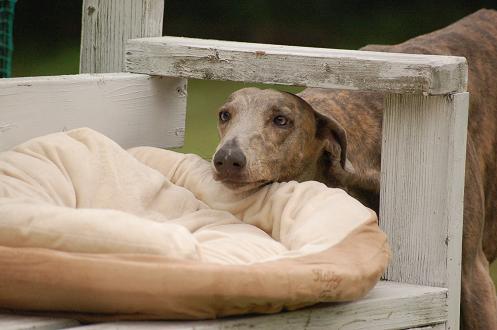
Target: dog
334	137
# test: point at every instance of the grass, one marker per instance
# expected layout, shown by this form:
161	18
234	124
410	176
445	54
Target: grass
45	62
204	98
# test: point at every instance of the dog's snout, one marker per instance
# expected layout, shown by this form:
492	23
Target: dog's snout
229	160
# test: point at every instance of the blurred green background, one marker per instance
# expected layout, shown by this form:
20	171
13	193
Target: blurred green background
47	37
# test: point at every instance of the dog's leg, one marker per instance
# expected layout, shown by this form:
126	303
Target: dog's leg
478	299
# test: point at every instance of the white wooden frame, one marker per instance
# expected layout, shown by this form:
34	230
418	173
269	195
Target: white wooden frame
301	66
107	24
423	152
132	109
424	133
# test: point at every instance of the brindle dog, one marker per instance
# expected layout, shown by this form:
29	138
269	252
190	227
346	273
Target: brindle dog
334	137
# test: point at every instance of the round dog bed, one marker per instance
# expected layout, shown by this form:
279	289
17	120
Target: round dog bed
90	229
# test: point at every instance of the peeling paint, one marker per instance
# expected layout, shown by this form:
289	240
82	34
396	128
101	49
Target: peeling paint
302	66
180	131
259	53
90	10
181	91
207	74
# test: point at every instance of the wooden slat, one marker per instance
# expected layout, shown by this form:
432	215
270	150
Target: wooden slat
389	306
106	25
439	326
422	190
21	322
456	166
131	109
303	66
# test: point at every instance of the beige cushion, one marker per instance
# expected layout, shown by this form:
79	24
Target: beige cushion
88	227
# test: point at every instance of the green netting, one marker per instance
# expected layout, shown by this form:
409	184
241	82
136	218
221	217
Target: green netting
6	31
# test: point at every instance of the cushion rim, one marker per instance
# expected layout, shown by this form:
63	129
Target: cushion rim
92	287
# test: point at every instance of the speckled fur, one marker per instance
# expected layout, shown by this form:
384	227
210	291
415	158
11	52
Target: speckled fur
316	155
474	37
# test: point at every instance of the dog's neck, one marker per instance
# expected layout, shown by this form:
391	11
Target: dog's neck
361	185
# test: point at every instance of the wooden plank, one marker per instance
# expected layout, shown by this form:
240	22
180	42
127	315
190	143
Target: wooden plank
389	305
21	322
106	25
303	66
422	190
439	326
131	109
456	166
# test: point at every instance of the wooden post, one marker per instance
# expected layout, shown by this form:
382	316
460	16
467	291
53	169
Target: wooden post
108	24
422	190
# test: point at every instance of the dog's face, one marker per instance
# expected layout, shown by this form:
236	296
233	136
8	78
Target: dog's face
269	136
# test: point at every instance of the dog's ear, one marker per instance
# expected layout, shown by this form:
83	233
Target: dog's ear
332	133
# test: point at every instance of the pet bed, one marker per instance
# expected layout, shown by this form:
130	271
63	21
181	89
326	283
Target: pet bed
92	230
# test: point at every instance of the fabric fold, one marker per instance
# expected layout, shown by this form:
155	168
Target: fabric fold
87	227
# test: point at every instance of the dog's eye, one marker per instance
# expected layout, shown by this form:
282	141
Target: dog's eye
280	120
224	116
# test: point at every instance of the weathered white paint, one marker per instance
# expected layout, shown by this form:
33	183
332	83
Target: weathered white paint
456	166
303	66
107	24
389	305
129	108
422	189
21	322
439	326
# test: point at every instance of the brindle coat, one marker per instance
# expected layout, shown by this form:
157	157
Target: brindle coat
274	136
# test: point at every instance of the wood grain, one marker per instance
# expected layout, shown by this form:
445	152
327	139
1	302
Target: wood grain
439	326
422	189
389	305
131	109
302	66
21	322
107	24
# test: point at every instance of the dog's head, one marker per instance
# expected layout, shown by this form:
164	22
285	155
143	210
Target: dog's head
268	135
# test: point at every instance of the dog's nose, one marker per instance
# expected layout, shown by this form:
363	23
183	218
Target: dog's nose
229	161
